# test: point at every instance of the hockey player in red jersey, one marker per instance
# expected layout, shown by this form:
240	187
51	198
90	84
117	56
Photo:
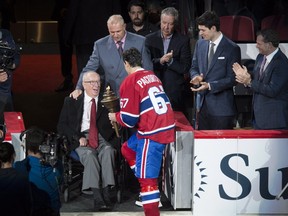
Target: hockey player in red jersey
144	106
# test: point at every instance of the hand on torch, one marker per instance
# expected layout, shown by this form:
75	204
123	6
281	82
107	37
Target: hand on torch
112	118
111	102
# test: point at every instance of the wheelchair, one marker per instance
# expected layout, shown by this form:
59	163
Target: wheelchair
73	175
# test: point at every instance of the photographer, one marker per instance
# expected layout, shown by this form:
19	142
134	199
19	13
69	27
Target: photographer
45	179
9	60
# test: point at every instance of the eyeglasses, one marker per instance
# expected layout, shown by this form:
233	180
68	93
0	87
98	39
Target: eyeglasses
92	82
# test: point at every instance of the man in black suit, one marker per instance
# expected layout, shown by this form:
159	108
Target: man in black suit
99	162
66	50
171	57
86	22
139	24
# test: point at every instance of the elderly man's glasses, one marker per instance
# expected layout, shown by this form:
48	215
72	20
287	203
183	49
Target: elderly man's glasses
92	82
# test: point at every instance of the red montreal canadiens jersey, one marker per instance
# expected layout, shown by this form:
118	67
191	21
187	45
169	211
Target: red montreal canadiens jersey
145	105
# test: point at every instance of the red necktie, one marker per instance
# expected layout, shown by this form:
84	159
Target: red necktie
93	131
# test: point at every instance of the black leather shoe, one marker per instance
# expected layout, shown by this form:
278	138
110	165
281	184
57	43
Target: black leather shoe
99	206
65	86
106	196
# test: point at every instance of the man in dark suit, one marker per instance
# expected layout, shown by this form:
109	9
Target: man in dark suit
107	54
212	75
99	162
171	57
86	23
66	50
268	81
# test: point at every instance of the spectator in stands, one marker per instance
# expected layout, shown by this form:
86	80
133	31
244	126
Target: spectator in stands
9	61
154	8
44	179
107	55
16	197
99	159
84	25
7	13
171	57
212	75
268	81
138	24
66	50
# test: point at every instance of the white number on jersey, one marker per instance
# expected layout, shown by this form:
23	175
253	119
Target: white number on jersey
158	102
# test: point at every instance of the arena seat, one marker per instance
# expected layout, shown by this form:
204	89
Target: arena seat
278	23
238	28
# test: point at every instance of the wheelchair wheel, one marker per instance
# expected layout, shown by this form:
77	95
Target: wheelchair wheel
66	195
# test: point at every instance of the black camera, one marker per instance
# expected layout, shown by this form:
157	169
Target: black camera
53	147
7	54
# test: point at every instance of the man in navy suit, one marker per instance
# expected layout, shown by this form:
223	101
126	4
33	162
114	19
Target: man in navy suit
215	106
171	57
106	58
268	81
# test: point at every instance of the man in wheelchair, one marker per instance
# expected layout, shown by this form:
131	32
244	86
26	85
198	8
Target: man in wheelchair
95	142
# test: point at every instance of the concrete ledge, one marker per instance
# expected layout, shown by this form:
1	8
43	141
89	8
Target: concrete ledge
168	213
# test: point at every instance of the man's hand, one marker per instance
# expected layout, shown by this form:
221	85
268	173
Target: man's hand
203	86
75	94
112	117
3	76
83	141
197	80
242	75
166	58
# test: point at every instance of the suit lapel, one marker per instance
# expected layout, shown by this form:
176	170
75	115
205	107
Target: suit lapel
205	57
267	71
160	42
219	50
79	103
100	107
172	41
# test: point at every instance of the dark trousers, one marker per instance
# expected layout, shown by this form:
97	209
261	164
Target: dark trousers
66	53
209	122
83	53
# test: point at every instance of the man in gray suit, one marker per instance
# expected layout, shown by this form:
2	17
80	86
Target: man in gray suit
99	162
212	75
268	81
107	54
